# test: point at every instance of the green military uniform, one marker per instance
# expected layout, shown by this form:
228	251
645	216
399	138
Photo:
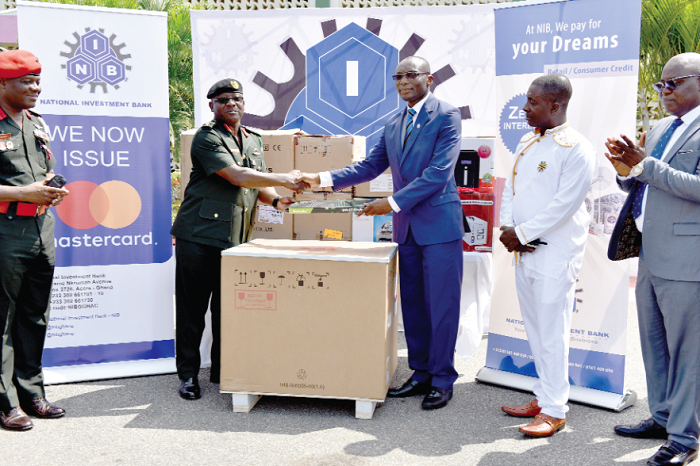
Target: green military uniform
214	215
26	262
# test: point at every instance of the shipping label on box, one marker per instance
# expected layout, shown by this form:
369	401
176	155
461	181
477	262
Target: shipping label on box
270	223
293	323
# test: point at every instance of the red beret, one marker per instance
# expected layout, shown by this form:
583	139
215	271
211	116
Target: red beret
18	63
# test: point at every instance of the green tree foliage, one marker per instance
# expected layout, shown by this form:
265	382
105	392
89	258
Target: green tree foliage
179	56
669	27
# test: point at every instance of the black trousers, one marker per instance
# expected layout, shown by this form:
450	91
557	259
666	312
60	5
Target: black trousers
197	281
27	256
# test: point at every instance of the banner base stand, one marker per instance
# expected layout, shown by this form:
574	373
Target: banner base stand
589	396
110	370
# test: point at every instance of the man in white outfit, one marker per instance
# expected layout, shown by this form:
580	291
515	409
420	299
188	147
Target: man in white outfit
545	224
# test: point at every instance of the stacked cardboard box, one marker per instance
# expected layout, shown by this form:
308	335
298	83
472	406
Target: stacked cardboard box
293	323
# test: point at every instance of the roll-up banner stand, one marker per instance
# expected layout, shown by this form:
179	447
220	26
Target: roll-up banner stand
105	99
596	44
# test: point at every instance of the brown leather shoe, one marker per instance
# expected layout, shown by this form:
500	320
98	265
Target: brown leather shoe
15	419
527	410
543	426
41	408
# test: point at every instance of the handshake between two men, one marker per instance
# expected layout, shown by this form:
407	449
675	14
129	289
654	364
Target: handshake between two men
299	182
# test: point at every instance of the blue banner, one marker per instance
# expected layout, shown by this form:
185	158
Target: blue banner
530	38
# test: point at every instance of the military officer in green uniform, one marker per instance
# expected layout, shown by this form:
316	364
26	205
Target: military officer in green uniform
26	242
228	178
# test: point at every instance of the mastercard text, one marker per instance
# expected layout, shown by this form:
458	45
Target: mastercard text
89	241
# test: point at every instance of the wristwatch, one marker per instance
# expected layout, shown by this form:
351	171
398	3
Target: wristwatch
277	199
637	169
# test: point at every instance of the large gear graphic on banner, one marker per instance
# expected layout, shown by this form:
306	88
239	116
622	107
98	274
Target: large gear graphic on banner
313	102
95	59
229	49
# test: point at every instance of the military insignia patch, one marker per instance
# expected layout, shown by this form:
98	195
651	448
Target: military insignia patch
542	166
235	85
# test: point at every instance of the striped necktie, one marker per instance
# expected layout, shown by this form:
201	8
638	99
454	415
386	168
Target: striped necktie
409	124
657	153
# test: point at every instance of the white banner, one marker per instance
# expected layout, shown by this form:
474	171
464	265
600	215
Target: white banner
105	98
328	71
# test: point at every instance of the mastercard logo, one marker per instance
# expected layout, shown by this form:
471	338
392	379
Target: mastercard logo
112	204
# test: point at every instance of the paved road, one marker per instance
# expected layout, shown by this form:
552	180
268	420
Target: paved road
142	421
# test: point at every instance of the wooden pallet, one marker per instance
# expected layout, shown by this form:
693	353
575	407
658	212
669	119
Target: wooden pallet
243	402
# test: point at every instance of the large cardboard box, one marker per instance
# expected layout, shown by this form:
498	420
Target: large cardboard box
270	223
313	154
323	227
293	322
278	149
381	186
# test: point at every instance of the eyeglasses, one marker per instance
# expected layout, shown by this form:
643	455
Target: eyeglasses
226	100
410	76
672	83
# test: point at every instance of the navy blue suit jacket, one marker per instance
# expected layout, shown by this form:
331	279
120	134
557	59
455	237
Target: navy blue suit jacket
422	173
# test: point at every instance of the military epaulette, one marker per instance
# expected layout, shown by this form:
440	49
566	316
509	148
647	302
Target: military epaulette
250	131
254	133
210	124
568	137
528	137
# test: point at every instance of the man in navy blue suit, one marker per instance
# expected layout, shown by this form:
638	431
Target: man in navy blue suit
421	144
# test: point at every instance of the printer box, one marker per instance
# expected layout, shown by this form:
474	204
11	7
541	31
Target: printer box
293	322
477	205
313	154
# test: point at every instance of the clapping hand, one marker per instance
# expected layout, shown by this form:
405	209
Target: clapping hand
624	153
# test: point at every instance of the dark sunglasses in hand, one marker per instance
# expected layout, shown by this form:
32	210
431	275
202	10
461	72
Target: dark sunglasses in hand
672	83
411	76
225	100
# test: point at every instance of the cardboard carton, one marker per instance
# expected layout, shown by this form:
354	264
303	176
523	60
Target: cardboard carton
323	227
278	149
270	223
313	154
381	186
309	318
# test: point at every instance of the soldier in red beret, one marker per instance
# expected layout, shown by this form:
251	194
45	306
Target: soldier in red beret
26	242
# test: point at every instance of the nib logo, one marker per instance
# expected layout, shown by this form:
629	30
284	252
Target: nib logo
96	60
